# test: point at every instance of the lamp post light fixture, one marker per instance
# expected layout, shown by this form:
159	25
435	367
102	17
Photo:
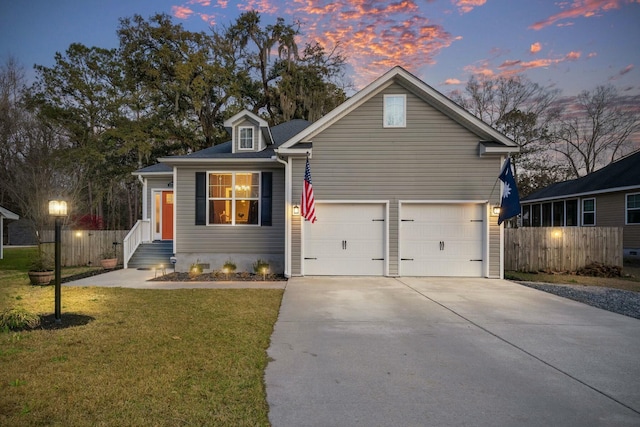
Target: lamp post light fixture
58	209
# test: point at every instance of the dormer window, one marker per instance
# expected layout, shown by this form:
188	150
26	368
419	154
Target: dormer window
246	138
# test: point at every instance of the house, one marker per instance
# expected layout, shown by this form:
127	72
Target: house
404	180
4	213
608	197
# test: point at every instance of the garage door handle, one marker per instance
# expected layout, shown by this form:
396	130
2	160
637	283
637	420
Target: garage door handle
377	259
477	220
475	260
310	258
441	245
406	259
406	220
381	220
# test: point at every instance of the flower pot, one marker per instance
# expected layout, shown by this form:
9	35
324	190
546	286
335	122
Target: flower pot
41	278
109	263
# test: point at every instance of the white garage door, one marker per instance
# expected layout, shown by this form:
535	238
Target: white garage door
347	239
441	240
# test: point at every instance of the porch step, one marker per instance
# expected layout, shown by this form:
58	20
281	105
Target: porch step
151	255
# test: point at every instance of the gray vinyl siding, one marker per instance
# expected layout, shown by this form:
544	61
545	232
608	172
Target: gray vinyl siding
611	212
208	241
432	158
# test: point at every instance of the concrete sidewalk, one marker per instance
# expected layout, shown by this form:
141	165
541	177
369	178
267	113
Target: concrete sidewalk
141	279
448	352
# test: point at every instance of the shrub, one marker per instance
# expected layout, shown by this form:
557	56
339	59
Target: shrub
18	318
261	267
195	269
229	266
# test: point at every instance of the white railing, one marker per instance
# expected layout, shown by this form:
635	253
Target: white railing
138	234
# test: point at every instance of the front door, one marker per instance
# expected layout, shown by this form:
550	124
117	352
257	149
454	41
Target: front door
163	215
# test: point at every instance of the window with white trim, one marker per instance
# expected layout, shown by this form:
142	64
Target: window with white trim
395	111
245	141
633	208
588	212
234	198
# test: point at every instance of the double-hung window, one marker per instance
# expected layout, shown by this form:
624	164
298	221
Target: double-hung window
395	111
246	138
589	212
633	208
234	198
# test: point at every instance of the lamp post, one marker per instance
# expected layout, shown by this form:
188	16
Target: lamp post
58	209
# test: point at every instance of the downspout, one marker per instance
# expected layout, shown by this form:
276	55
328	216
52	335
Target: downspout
287	214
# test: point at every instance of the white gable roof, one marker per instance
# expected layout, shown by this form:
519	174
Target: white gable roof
419	88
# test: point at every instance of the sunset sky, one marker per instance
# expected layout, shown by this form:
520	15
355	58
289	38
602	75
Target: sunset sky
570	45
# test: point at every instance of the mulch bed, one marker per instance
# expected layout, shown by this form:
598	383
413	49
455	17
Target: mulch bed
68	320
219	277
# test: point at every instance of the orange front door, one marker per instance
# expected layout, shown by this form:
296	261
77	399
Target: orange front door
167	215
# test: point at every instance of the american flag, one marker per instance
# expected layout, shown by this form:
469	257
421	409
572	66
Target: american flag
308	202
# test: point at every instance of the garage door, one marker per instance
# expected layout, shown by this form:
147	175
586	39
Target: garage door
441	240
347	239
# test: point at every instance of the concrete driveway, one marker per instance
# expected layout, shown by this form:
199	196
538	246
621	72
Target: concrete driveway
448	352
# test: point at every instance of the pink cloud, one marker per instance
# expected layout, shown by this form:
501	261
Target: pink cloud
200	2
452	82
262	6
535	47
622	72
374	34
580	9
209	19
466	6
516	66
181	12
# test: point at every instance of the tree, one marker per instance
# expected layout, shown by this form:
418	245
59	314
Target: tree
187	78
81	98
30	170
306	87
517	107
595	129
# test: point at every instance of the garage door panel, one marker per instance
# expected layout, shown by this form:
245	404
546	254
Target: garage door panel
347	239
441	240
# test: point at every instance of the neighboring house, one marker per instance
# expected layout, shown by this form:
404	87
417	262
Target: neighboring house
4	213
404	181
608	197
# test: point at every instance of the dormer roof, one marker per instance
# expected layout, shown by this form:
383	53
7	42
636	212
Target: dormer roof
245	115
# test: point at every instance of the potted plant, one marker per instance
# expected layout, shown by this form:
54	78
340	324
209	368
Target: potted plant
109	259
41	269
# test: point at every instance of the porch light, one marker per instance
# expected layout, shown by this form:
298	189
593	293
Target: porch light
296	210
495	210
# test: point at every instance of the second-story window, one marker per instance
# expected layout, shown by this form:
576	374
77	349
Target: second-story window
246	138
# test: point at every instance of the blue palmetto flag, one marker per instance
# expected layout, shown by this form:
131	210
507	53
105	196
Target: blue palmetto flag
510	204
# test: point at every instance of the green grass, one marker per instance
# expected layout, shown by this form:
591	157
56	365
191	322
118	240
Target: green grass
146	357
18	258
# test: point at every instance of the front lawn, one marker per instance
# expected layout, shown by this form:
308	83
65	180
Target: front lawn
136	357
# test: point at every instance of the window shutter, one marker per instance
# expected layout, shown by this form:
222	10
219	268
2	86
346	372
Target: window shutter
267	197
201	198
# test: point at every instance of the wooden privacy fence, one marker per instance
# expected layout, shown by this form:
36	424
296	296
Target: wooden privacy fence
84	247
561	248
